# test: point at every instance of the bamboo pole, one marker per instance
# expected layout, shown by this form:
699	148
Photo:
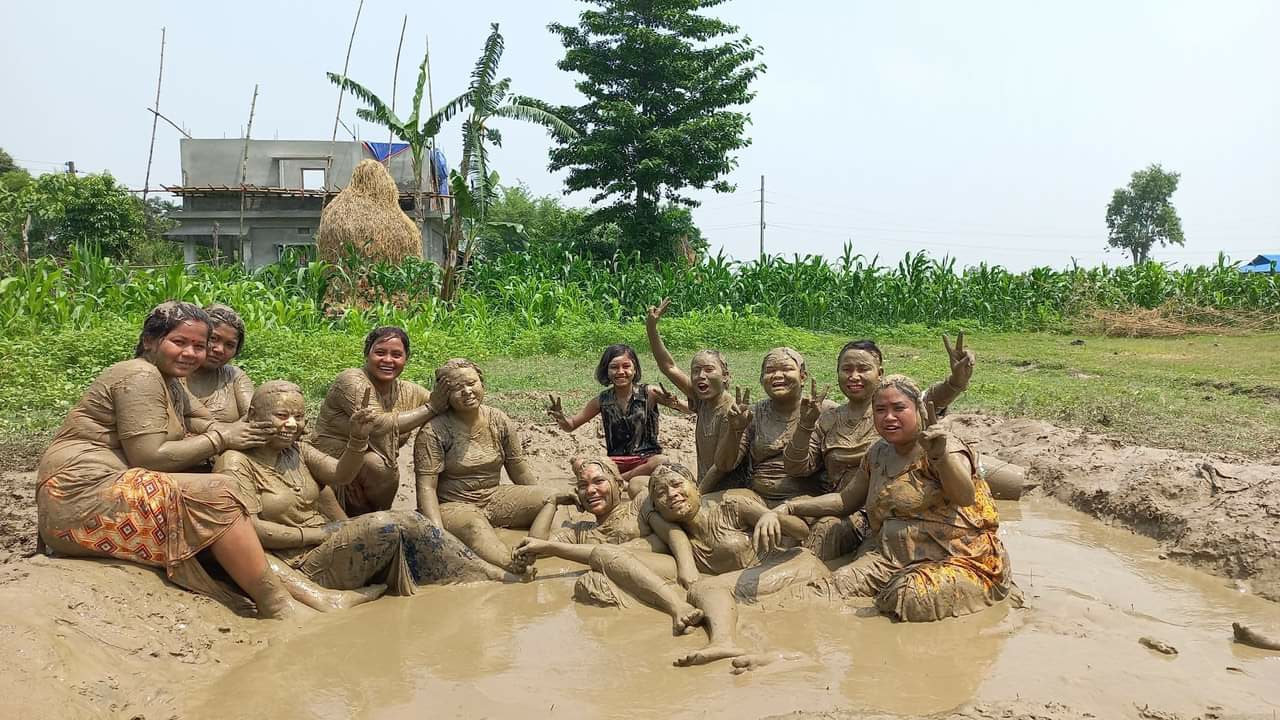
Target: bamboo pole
246	258
346	64
395	77
146	183
175	125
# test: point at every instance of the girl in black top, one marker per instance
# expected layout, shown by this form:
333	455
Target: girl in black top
629	410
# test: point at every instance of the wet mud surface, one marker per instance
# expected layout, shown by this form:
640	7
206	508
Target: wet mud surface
104	639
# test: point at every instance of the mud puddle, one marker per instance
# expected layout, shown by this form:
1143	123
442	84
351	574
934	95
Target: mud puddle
532	651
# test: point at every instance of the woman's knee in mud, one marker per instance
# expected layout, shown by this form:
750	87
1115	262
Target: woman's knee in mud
603	556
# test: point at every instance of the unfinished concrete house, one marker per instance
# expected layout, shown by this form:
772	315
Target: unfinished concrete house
285	187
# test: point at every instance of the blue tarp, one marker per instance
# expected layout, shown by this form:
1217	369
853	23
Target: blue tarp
1262	264
382	151
442	171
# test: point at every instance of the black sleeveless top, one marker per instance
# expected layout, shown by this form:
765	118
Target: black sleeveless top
632	430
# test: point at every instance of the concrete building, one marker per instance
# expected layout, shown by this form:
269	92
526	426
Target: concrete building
285	187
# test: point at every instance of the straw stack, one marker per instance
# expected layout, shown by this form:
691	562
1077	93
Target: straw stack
366	215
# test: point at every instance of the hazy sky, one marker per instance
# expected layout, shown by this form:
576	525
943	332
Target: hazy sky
991	131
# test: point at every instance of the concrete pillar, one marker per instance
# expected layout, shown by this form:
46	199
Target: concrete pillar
189	251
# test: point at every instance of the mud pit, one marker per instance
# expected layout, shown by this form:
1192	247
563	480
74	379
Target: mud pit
88	638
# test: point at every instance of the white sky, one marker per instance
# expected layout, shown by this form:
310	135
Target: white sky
992	131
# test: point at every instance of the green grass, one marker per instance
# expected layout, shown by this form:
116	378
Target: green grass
1198	393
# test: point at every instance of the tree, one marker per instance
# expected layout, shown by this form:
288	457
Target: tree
67	210
660	80
6	162
473	185
1141	214
417	135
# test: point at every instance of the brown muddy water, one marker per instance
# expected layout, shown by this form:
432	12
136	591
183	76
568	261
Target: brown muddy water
531	651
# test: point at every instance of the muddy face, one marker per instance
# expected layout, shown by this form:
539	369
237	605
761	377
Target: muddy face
781	376
287	412
708	375
858	372
596	491
386	359
467	392
179	353
674	496
896	417
224	342
622	371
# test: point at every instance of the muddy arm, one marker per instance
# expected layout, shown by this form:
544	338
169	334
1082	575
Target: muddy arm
275	536
955	473
519	471
731	448
677	543
666	363
242	388
751	511
803	454
153	452
336	472
589	411
847	501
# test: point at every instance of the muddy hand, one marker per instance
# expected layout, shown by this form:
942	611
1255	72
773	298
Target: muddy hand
768	533
528	550
242	434
655	313
663	397
932	439
811	407
555	409
739	414
961	360
362	419
439	398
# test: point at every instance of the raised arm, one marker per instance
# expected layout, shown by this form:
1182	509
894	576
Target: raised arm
803	454
568	424
961	360
332	472
952	463
731	447
661	355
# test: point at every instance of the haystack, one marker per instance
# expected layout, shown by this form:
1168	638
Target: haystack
367	216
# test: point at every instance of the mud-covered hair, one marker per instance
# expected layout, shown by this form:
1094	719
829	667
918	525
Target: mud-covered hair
453	364
863	345
670	467
379	334
220	314
719	358
789	353
164	318
267	391
907	387
611	352
610	470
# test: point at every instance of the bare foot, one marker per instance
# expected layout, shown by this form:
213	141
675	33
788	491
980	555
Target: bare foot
1248	636
350	598
747	663
709	654
685	619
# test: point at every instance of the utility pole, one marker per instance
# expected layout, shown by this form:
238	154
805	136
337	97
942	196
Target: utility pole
761	216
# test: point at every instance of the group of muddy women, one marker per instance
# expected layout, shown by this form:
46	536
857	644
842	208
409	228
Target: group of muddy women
175	460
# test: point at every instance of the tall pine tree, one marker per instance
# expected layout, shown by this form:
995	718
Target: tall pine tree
664	86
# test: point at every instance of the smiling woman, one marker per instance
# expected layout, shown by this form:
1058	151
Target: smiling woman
224	389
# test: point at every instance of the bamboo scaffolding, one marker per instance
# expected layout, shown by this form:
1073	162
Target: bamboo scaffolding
151	151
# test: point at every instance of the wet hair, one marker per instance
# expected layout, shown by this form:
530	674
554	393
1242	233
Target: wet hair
863	345
611	352
667	468
789	354
716	354
268	391
907	387
164	318
379	334
610	470
220	314
453	364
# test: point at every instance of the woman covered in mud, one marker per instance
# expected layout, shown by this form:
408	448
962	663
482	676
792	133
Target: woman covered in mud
834	441
707	389
301	523
402	407
932	551
628	410
458	459
112	481
761	433
224	389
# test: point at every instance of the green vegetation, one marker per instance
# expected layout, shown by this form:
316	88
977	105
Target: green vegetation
1141	214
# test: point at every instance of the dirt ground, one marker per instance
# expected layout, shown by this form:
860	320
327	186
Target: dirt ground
107	639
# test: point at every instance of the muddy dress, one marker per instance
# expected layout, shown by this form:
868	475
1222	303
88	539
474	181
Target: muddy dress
91	502
763	444
333	425
711	423
468	466
925	558
630	432
399	548
228	400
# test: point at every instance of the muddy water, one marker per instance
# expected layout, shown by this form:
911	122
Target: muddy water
531	651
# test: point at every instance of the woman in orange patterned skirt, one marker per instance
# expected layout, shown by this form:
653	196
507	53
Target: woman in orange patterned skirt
111	484
933	551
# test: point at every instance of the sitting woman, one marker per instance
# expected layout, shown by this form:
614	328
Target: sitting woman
295	518
761	433
111	484
932	551
403	407
628	410
458	459
224	389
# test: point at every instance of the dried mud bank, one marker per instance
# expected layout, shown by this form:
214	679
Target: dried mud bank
1212	511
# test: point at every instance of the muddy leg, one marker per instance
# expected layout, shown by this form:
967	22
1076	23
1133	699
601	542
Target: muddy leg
755	661
720	617
1248	636
476	533
435	556
1005	480
629	573
240	554
314	596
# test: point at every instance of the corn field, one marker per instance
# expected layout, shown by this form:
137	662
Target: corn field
848	294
